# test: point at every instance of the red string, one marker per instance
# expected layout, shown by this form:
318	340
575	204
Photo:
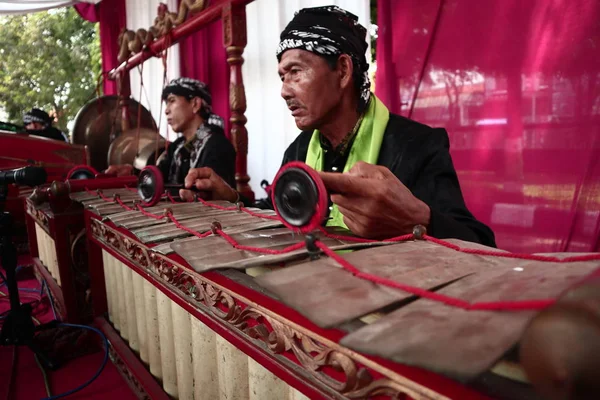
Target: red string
263	250
171	198
99	193
451	301
263	216
193	232
534	304
125	206
533	257
149	214
345	238
218	207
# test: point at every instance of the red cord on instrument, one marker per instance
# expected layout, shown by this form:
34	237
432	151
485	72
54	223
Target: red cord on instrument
149	214
534	304
218	207
532	257
171	198
249	212
188	230
244	209
125	206
441	298
262	250
590	257
99	193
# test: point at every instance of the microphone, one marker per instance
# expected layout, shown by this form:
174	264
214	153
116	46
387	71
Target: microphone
27	176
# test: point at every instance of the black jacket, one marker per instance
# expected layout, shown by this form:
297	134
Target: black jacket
419	156
50	133
218	154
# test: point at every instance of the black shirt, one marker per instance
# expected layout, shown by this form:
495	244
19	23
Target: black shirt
420	158
215	152
50	133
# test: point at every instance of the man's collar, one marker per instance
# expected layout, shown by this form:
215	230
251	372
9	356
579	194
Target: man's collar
344	146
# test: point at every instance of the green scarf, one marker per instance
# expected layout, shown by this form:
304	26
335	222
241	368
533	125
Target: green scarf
365	147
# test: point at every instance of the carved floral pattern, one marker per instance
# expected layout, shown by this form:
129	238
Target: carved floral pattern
131	42
267	331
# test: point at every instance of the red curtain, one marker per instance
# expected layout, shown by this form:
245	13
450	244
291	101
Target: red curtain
112	18
203	57
517	85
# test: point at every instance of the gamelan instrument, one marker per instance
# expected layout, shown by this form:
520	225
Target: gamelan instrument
56	233
79	178
215	300
103	119
138	147
19	150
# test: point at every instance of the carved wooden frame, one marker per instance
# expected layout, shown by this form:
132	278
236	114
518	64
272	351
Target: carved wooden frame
280	339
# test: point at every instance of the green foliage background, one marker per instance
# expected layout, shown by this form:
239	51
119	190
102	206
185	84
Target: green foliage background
48	60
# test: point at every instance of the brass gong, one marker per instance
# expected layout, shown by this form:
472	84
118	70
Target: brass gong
139	152
99	122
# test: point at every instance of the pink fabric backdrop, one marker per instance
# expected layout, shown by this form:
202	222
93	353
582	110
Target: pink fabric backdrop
112	18
517	85
203	57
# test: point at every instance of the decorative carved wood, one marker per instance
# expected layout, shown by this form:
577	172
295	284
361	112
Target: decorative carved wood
283	341
131	42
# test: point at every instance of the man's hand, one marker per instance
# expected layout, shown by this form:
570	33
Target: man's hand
120	170
374	203
206	180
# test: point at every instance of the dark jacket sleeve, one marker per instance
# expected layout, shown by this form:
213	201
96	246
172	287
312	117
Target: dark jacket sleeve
435	182
219	155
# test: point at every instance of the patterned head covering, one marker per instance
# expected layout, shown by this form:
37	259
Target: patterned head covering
37	115
326	31
190	88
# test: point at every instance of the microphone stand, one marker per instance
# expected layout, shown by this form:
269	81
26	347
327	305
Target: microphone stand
18	328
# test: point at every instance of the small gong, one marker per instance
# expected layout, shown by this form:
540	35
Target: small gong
81	172
150	185
299	197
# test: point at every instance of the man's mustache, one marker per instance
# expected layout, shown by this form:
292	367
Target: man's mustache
292	103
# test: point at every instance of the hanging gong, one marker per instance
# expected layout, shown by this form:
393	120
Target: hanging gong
100	121
139	152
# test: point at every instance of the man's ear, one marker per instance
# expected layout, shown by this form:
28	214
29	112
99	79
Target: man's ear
345	68
196	104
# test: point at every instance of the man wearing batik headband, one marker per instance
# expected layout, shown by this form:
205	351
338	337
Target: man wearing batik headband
397	173
37	122
202	142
